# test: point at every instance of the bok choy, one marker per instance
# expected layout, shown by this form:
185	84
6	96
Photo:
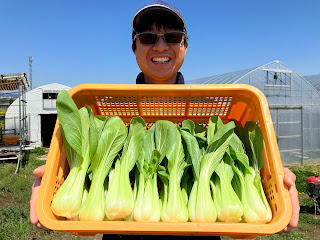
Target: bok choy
228	205
111	139
174	207
75	130
256	208
201	205
120	198
147	206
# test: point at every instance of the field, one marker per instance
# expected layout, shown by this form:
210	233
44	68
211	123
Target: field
15	191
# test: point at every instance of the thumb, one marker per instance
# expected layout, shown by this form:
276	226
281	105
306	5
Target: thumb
39	171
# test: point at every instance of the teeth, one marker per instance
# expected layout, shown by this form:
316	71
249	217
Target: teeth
160	59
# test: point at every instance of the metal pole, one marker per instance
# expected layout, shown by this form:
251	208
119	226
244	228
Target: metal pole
30	71
302	145
277	125
24	116
20	134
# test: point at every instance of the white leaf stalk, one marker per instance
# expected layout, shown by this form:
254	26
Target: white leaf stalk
201	205
248	181
120	198
228	205
175	208
147	206
135	193
256	209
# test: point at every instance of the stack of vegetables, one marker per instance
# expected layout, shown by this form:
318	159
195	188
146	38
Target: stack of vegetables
206	174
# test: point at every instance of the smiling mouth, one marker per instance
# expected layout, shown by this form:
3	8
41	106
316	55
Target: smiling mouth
161	59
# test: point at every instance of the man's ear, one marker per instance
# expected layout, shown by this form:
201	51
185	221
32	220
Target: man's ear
186	47
186	44
133	47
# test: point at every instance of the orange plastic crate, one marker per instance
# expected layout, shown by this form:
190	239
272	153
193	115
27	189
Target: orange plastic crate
175	103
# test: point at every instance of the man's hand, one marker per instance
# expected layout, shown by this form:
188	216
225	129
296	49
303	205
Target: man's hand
38	173
289	181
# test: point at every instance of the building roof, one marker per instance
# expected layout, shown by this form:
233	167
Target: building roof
225	78
34	100
236	76
280	84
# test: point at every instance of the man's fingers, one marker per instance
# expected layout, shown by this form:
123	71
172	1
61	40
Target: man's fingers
295	206
33	217
39	171
289	180
34	195
289	177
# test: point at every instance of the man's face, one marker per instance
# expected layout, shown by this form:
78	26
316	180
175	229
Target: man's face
160	62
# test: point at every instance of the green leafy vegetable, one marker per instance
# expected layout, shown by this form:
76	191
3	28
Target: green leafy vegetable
174	208
75	130
228	205
111	140
201	205
147	206
120	198
248	181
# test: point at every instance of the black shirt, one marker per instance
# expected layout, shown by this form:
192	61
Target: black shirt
157	237
140	80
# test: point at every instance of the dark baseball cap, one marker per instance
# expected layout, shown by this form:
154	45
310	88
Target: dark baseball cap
156	6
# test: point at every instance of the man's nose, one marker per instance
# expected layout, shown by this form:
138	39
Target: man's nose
160	45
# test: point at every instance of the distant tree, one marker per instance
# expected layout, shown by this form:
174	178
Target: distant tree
11	101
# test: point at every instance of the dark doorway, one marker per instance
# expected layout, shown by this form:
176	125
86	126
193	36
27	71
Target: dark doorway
48	122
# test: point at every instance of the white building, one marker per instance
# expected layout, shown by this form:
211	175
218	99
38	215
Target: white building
41	114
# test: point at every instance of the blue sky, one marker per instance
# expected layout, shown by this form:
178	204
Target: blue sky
74	42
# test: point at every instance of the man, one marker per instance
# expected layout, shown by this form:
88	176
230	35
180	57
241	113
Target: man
160	43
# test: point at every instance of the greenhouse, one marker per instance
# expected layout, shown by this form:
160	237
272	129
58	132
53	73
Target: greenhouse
294	106
314	80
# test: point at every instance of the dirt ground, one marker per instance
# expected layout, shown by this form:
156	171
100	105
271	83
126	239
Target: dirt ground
96	237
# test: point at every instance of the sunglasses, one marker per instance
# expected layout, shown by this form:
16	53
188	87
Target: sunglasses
173	37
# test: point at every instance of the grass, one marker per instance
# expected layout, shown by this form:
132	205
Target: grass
15	192
302	173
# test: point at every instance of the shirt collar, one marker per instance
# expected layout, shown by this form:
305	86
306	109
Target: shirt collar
140	78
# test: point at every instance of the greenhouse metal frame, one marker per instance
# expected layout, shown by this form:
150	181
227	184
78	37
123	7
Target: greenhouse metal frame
18	82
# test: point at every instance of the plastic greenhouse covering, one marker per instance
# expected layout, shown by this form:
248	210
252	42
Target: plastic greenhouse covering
294	105
314	80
